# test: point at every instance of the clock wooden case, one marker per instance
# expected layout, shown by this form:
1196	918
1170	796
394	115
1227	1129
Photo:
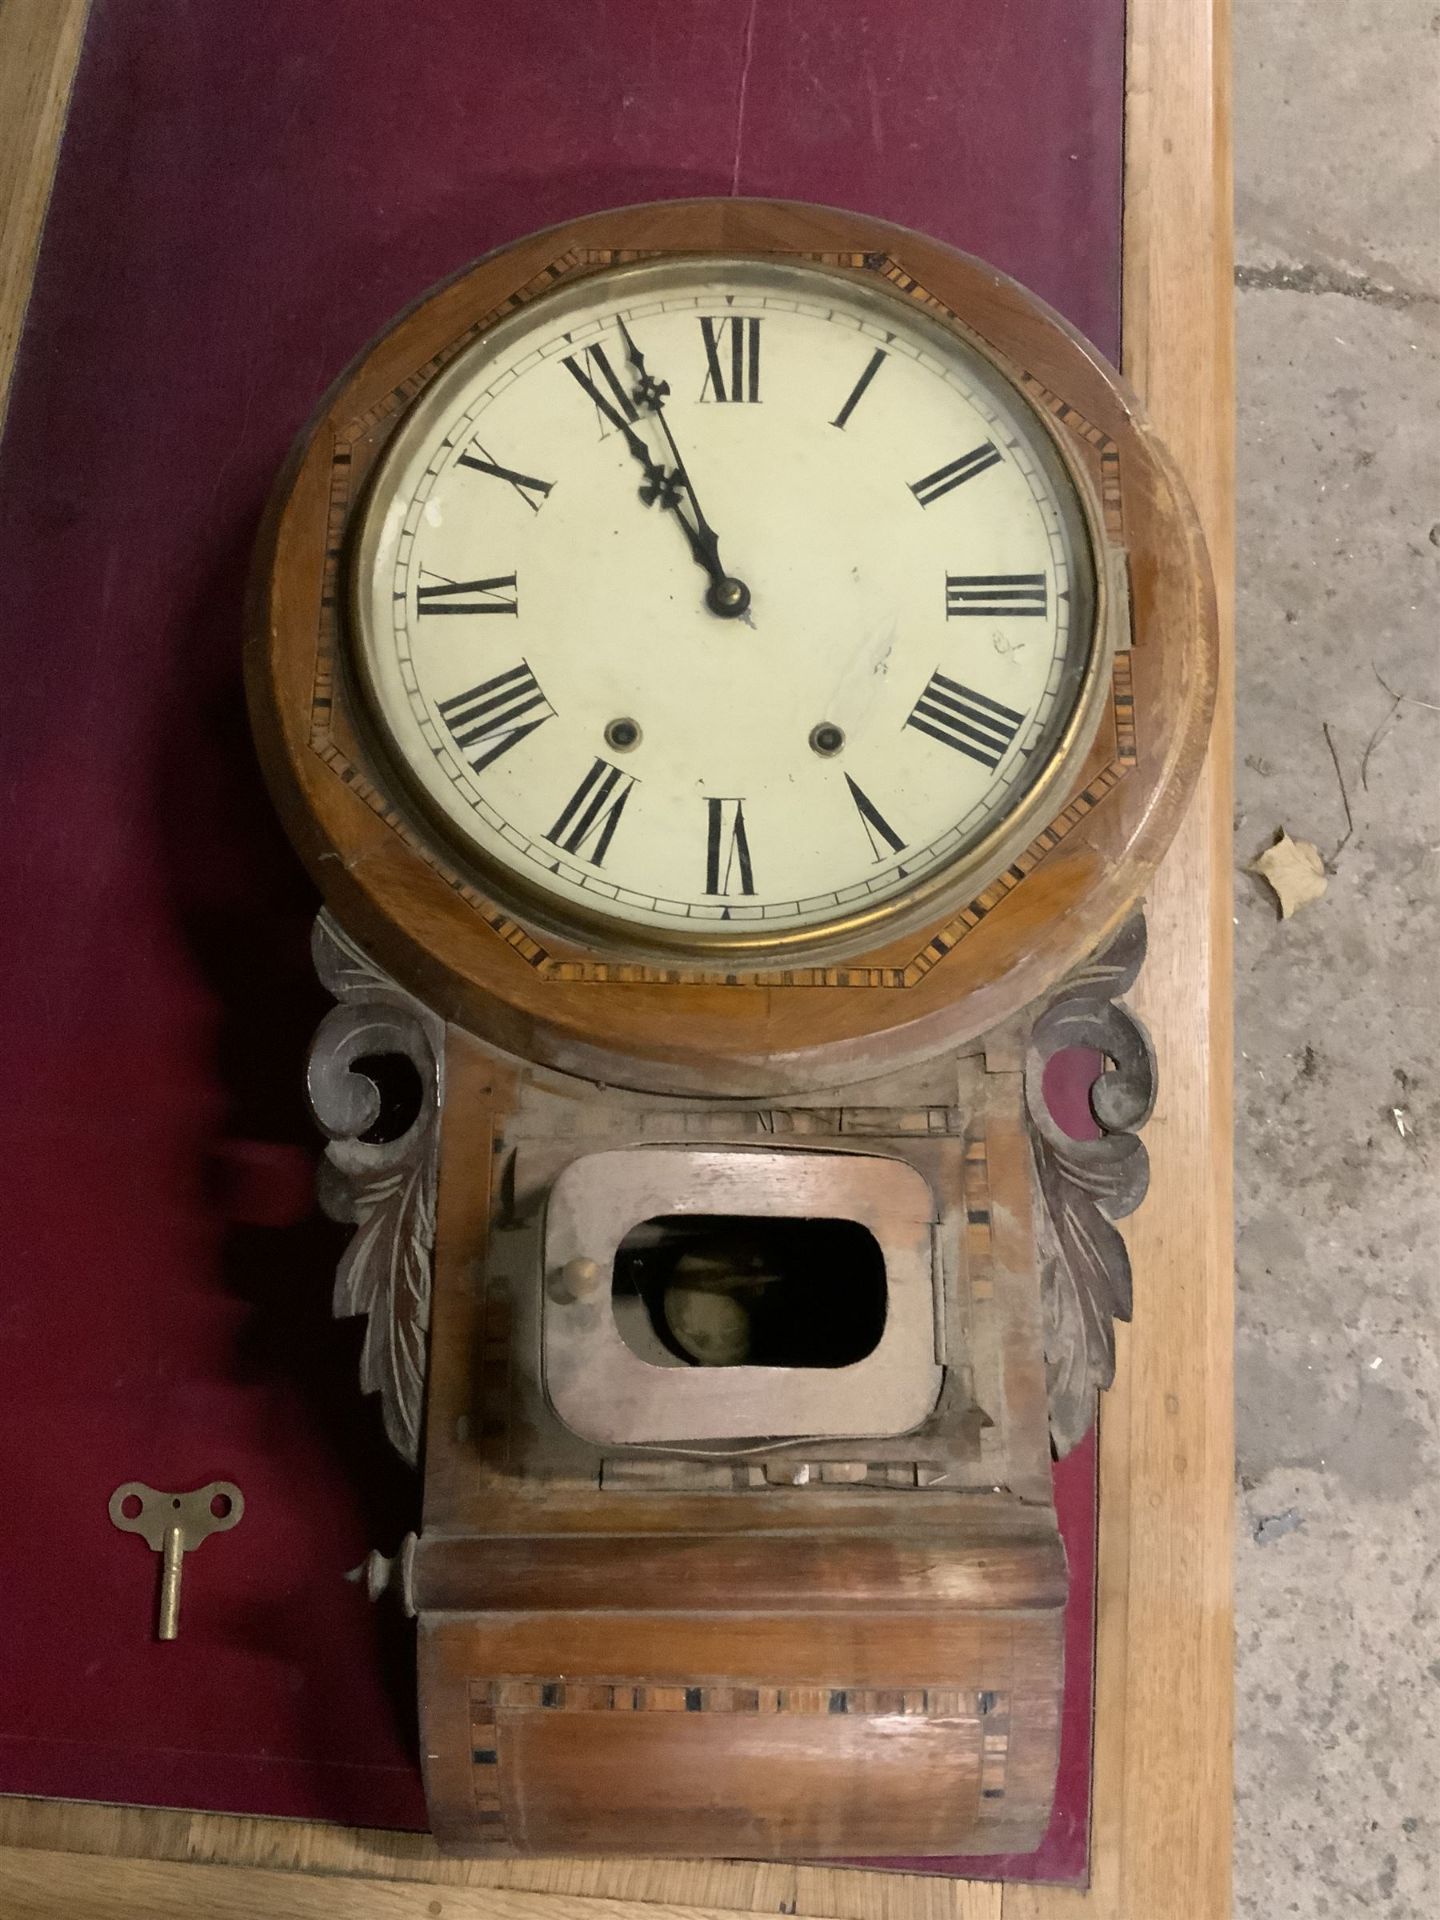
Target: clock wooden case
733	1279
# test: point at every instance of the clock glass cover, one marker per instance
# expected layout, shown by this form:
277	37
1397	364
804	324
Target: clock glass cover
721	606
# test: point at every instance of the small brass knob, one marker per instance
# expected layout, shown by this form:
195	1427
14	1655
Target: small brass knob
579	1279
394	1573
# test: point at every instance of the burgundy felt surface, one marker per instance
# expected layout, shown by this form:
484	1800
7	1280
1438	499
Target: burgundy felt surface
245	196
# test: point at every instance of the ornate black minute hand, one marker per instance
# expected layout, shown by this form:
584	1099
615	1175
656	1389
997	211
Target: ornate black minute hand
727	596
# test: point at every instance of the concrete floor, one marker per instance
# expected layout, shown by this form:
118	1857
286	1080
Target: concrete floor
1338	1094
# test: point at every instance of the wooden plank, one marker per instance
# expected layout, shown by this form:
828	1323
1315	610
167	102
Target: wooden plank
1162	1792
1162	1787
36	1884
39	49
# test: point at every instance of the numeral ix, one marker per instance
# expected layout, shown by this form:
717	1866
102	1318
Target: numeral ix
467	596
970	722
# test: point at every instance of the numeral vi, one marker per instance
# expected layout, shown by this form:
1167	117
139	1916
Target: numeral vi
727	849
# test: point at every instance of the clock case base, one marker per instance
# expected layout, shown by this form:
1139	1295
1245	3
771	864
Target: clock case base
802	1647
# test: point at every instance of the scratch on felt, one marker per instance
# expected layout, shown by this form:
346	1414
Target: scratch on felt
746	57
877	131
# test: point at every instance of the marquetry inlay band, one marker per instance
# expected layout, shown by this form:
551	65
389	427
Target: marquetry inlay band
727	1476
493	1703
493	1697
333	746
979	1240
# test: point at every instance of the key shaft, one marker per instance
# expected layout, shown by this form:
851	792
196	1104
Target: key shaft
172	1525
171	1567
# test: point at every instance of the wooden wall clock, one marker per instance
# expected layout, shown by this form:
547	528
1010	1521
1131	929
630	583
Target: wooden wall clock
731	668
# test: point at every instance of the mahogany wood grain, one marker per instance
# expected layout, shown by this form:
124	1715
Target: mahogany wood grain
894	1604
949	1566
903	1727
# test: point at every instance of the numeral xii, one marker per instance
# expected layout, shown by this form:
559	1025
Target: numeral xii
732	357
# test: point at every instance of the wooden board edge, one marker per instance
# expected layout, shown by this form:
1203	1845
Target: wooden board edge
1162	1788
1164	1653
39	52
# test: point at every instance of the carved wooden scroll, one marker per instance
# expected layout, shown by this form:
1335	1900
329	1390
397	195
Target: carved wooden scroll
1086	1184
374	1085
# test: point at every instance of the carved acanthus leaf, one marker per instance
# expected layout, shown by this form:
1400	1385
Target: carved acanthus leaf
374	1084
1086	1184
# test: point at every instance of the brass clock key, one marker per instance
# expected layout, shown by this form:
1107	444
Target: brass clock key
174	1524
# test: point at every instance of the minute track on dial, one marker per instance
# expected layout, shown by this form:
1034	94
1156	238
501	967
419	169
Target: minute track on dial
866	778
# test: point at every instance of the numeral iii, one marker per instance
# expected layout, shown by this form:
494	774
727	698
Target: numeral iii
990	595
970	722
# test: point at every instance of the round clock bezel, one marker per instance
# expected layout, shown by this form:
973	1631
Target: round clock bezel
742	1029
937	892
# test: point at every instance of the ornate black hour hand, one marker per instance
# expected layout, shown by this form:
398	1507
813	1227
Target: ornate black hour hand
727	596
660	483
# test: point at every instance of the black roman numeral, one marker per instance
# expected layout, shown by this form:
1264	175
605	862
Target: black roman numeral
727	849
732	358
877	827
972	723
497	715
857	392
588	820
467	596
532	491
944	479
975	596
615	405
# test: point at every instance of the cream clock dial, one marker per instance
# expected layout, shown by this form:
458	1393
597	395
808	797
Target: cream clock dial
726	605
